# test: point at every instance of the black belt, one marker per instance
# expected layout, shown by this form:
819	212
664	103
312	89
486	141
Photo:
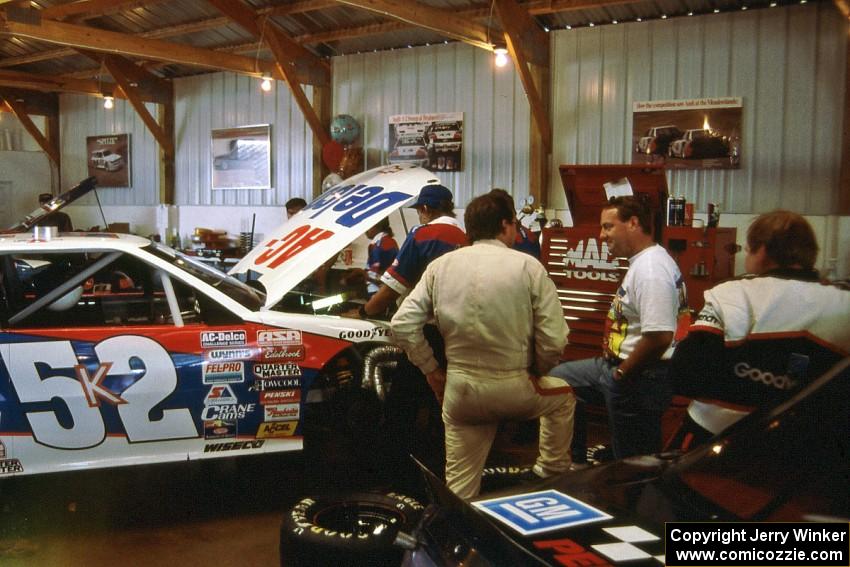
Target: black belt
612	360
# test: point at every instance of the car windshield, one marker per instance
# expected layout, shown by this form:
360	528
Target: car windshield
243	294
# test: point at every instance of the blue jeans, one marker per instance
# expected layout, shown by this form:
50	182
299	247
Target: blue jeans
635	404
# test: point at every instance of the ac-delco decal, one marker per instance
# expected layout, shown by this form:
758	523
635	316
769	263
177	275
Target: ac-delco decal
282	412
280	397
276	429
230	411
275	384
278	337
283	353
232	372
588	262
221	354
9	466
271	370
233	446
541	511
569	553
220	428
220	395
211	339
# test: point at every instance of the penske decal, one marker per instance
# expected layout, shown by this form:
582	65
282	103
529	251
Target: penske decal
280	397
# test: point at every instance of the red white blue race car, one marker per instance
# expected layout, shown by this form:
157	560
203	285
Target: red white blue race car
117	350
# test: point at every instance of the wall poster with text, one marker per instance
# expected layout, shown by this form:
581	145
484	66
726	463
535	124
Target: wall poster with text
108	159
433	141
702	133
241	157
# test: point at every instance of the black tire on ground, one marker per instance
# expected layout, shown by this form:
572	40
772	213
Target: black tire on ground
353	529
498	478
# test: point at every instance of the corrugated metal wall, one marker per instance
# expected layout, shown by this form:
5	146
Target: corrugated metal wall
81	116
442	78
223	100
788	64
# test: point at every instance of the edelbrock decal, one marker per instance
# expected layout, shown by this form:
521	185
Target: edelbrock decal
283	353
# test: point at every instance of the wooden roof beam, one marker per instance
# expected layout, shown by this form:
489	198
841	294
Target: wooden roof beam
440	21
18	109
44	83
123	44
88	9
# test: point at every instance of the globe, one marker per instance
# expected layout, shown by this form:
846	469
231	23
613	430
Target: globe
344	129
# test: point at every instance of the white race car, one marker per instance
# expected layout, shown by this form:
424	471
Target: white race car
117	350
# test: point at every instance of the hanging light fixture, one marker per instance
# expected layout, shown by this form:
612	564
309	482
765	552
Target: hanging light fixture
501	56
266	85
108	102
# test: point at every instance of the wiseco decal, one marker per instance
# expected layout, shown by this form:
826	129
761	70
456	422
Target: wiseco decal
233	446
569	553
283	353
235	337
276	429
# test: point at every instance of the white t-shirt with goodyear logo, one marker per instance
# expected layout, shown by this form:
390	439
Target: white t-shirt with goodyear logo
651	297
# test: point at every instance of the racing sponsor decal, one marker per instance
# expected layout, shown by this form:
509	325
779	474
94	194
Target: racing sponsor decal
220	428
778	381
9	466
219	396
282	412
276	429
233	446
541	511
231	411
36	373
236	337
275	384
279	337
279	370
589	261
222	354
230	372
2	450
569	553
280	397
374	332
283	353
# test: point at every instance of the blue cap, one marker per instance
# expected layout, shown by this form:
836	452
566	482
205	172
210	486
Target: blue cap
433	196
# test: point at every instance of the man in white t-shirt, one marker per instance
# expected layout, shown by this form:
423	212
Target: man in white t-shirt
631	374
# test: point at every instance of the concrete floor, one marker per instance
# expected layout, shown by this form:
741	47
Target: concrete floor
182	514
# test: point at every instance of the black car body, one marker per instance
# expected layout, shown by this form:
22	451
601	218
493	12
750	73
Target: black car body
787	463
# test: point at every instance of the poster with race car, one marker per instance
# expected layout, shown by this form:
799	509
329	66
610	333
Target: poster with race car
433	141
241	157
702	133
108	159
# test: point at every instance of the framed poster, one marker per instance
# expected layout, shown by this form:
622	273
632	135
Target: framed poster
702	133
241	157
434	141
109	159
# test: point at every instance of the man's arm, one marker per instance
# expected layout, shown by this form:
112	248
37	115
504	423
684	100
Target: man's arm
408	322
697	364
648	349
550	329
381	301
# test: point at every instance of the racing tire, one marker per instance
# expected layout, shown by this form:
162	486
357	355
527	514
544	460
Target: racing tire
353	529
501	477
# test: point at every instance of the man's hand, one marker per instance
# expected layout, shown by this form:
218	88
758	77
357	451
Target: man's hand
437	381
351	314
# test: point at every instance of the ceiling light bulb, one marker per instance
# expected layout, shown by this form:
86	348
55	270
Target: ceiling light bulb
501	56
266	85
108	102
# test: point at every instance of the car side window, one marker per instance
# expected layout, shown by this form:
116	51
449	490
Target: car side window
95	289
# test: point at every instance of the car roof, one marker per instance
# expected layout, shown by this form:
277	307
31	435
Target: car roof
26	242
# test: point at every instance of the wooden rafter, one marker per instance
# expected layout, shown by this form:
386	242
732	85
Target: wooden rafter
299	7
18	109
88	9
519	30
123	44
440	21
44	83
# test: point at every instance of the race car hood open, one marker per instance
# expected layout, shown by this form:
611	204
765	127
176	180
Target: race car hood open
54	204
298	247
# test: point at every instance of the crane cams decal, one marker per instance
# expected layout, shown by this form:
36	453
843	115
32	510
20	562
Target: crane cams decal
279	337
587	261
236	337
281	370
232	372
228	412
276	429
282	412
221	354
